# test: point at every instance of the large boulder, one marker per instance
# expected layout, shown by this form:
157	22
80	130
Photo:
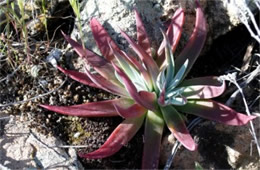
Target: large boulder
221	17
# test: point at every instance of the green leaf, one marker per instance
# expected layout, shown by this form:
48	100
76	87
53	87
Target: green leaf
161	79
195	43
198	166
169	59
178	77
75	6
131	72
154	125
177	126
176	100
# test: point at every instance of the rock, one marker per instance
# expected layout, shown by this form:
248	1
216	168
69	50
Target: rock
3	167
233	156
115	14
23	148
219	147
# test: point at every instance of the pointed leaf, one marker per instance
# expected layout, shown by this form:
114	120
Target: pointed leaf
203	88
128	109
177	126
102	39
142	37
131	71
78	76
174	34
101	65
160	82
169	60
195	43
142	70
76	46
175	29
107	85
134	62
215	111
93	109
148	61
133	91
178	77
119	137
154	125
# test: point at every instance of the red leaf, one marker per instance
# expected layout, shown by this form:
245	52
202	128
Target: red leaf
148	61
107	85
119	137
145	101
215	111
102	39
139	67
173	32
203	88
128	109
195	43
78	76
93	109
177	126
76	46
101	65
175	29
142	37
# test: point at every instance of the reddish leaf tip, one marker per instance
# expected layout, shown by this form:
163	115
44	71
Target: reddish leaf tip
44	106
192	147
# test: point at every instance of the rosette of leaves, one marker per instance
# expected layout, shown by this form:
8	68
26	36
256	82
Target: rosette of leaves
152	88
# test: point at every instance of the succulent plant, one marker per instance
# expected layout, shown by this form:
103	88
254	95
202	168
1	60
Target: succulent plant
152	88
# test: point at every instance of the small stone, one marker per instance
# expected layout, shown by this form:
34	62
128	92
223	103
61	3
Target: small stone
76	135
35	70
233	156
76	98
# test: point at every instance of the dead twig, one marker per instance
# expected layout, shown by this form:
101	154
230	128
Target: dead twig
247	58
250	77
6	117
72	146
45	145
232	78
7	78
246	15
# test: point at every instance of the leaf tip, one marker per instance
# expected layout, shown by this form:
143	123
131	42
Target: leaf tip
193	147
44	106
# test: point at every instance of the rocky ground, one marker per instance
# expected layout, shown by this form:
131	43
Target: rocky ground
31	137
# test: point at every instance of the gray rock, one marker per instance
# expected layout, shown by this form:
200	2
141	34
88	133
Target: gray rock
22	147
117	14
114	14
